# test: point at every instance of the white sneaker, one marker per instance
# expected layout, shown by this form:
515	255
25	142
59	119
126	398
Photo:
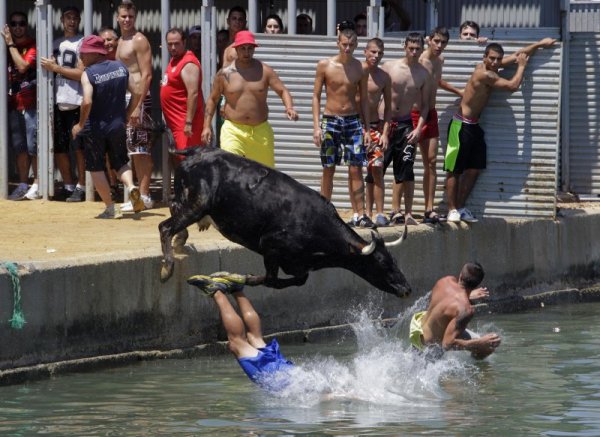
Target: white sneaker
454	216
466	216
127	207
19	192
148	202
111	212
33	193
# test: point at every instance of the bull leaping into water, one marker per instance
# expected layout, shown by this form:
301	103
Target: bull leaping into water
293	227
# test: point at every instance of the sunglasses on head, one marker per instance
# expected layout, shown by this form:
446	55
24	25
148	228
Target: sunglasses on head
18	23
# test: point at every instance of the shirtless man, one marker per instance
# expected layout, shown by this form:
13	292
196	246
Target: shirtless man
134	51
341	132
433	61
444	325
236	21
466	150
379	84
245	83
411	85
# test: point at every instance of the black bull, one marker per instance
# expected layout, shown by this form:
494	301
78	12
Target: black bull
292	226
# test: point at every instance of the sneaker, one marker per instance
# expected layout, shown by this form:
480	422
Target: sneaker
78	195
381	220
111	212
33	193
396	218
364	222
148	202
135	198
19	192
225	282
454	216
466	216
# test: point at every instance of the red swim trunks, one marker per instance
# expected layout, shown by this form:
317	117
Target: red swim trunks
431	128
375	156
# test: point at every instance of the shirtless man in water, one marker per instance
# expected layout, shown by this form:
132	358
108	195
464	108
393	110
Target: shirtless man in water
134	51
466	151
411	86
245	83
444	324
341	133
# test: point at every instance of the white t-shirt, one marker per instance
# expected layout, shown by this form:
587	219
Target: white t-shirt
69	93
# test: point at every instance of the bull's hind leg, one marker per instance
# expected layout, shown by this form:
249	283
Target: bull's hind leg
168	228
272	271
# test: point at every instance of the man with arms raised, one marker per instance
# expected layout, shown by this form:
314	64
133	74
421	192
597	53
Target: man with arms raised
340	132
245	83
411	85
466	150
444	325
379	84
134	51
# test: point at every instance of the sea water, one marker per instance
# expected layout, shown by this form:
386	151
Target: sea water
544	379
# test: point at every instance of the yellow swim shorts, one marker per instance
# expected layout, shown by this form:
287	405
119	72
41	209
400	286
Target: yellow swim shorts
416	330
252	142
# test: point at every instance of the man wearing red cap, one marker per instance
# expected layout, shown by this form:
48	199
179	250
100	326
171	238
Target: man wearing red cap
104	114
181	94
244	83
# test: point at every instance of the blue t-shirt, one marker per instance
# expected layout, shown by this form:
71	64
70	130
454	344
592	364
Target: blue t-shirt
263	369
110	80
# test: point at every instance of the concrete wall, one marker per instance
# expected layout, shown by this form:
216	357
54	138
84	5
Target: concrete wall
111	304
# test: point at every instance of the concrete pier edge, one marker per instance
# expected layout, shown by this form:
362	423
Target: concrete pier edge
510	304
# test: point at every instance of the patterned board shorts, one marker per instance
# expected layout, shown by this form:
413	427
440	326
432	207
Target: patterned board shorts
342	137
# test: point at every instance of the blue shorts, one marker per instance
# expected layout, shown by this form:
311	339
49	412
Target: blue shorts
342	136
262	368
22	126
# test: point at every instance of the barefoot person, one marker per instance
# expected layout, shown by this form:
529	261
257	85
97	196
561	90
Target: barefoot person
466	150
444	325
340	132
411	85
262	362
378	86
245	83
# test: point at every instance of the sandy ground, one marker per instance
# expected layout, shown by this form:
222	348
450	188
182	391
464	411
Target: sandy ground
52	231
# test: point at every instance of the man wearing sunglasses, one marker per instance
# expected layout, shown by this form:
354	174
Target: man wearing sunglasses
22	112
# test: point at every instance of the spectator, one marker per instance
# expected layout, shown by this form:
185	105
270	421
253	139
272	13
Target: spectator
134	51
304	25
181	93
395	16
195	41
360	24
22	111
111	41
469	30
104	114
411	86
67	87
273	24
340	132
236	21
246	130
222	43
467	150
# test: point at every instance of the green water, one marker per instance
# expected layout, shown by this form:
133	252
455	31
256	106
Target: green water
543	380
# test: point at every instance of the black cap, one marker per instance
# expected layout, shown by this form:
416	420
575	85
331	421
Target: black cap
70	9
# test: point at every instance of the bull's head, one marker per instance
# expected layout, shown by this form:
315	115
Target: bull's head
378	266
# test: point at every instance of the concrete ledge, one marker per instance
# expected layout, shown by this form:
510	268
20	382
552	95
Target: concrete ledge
109	305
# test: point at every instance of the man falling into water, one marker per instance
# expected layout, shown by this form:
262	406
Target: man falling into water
444	325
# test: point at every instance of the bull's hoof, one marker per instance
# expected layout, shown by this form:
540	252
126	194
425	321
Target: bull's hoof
166	271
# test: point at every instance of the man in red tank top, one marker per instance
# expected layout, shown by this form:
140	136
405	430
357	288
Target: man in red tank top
181	93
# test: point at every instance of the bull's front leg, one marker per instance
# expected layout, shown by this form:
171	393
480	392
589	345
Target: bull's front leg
166	269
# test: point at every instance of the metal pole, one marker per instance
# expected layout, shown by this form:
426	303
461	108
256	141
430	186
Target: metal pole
4	115
88	30
565	133
209	55
292	12
164	62
373	12
43	79
253	25
331	18
432	15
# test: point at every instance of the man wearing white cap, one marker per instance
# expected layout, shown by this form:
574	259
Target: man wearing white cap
104	114
245	83
195	41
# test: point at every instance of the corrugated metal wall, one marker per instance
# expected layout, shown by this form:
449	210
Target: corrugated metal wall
585	17
521	129
584	113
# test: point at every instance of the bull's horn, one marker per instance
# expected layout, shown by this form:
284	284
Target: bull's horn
369	248
399	240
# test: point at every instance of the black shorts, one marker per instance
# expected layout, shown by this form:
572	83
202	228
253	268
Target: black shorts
97	145
466	147
400	153
63	123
